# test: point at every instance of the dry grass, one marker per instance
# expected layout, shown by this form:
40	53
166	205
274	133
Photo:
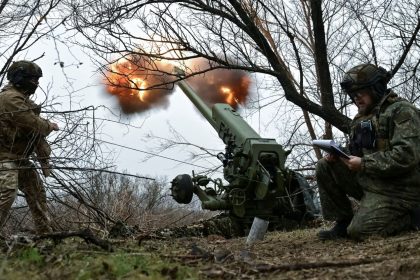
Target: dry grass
282	255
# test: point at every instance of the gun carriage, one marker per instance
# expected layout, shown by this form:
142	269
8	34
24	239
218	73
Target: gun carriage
259	183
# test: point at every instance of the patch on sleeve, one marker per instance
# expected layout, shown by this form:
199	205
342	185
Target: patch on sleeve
403	117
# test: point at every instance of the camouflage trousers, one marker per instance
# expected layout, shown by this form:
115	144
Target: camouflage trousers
15	176
377	214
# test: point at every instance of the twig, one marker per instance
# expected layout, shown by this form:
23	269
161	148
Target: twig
86	234
298	266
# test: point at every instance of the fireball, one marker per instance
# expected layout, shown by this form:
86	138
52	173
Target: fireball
230	96
229	86
139	83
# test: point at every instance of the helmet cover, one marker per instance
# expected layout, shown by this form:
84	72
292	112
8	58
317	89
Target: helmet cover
22	73
365	76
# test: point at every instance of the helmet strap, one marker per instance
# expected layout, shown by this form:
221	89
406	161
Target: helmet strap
379	89
26	87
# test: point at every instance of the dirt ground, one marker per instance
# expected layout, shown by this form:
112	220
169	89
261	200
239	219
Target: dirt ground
300	255
295	254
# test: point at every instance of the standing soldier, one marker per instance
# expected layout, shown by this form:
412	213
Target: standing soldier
22	133
384	169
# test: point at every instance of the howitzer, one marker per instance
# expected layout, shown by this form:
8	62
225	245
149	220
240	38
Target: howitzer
259	184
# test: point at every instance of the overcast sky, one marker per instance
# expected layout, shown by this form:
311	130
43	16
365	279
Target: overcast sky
84	80
85	83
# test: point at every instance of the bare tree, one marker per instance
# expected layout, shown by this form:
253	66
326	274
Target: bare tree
304	45
24	24
297	50
76	149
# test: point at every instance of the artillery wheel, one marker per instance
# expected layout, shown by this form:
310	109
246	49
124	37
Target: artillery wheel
182	188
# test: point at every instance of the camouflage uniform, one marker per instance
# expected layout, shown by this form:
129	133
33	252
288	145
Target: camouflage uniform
22	132
388	186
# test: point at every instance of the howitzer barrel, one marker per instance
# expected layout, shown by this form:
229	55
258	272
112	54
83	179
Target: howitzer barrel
231	126
224	119
197	101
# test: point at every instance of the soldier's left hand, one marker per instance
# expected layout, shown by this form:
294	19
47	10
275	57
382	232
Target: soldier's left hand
354	163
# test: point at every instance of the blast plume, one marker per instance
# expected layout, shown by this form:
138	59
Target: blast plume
139	83
220	85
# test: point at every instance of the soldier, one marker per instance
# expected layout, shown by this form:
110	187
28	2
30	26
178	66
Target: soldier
23	132
383	172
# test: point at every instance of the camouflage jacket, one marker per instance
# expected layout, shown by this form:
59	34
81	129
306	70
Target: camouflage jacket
391	165
42	148
21	128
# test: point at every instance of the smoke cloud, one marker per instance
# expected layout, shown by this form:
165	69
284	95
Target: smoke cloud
220	85
139	83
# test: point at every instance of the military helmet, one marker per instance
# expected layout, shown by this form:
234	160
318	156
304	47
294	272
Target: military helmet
23	70
365	76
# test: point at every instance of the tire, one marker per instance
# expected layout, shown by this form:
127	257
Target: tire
182	189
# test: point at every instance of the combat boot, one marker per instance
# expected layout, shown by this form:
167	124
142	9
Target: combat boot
415	218
338	231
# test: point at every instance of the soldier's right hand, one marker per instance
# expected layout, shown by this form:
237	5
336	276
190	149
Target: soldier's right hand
54	126
331	158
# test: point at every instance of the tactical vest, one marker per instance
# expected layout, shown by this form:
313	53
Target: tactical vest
370	133
16	143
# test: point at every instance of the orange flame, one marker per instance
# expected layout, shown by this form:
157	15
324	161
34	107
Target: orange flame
221	85
230	96
139	83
